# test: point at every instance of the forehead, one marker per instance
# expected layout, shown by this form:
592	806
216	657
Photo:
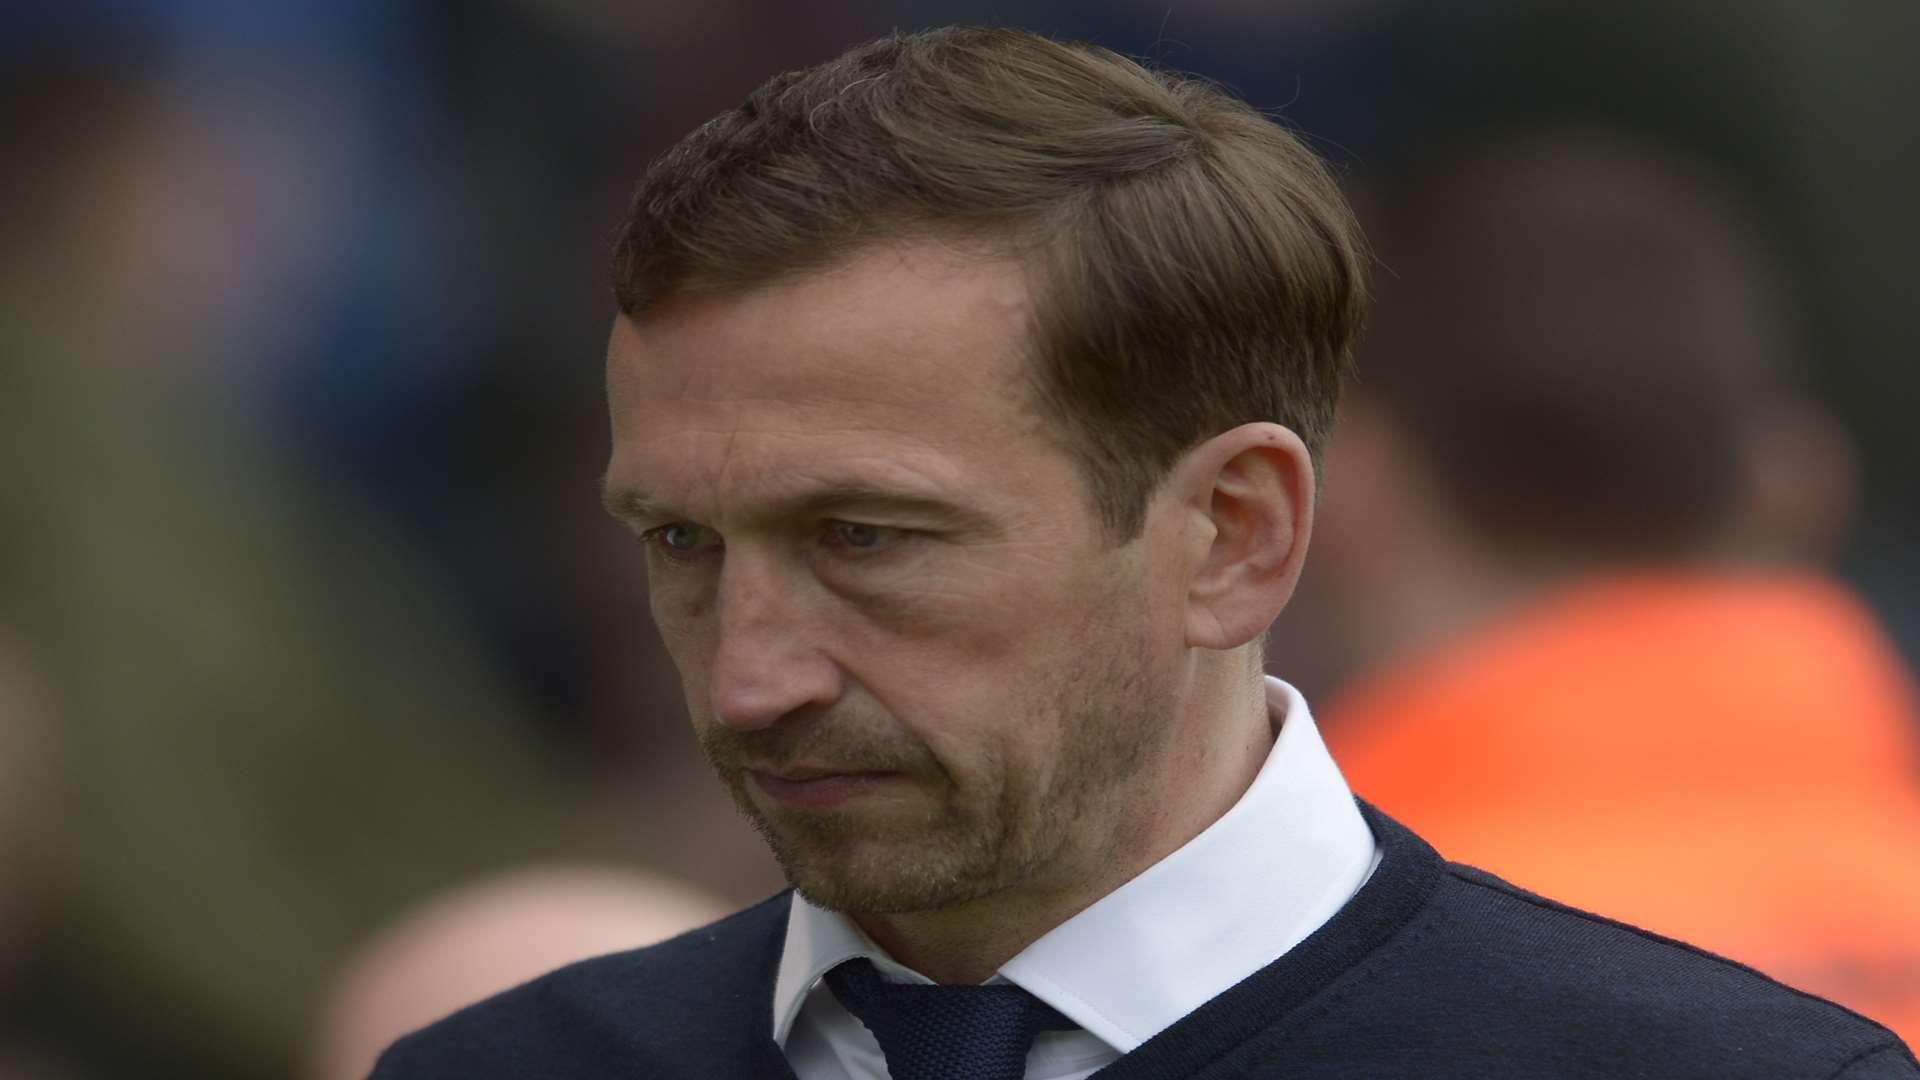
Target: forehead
914	358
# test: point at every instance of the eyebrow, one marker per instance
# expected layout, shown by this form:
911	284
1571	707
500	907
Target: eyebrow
634	504
629	504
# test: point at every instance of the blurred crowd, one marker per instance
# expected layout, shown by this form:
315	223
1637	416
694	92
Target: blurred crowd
328	699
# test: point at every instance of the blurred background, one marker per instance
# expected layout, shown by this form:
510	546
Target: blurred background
328	698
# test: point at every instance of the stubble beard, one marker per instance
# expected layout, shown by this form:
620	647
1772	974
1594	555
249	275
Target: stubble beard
993	829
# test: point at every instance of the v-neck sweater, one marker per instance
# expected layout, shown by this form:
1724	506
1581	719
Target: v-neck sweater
1433	970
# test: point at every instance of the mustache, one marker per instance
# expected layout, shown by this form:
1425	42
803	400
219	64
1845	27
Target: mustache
845	743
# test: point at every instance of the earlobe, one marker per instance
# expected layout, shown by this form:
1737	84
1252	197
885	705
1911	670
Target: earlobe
1253	485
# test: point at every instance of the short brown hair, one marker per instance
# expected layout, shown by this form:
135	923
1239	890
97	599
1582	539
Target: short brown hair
1196	266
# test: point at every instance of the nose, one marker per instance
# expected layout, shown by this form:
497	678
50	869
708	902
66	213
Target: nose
767	661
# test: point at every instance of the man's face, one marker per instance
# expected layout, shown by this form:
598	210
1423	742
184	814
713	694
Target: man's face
907	645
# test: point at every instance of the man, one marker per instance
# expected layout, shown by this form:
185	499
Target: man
1578	487
966	398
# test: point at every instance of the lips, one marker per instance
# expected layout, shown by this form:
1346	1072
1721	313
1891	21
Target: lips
817	787
802	773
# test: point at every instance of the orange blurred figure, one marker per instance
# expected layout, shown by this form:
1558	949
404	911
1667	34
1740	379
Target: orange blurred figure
1574	503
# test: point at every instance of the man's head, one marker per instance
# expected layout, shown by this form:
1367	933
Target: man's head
965	390
1194	266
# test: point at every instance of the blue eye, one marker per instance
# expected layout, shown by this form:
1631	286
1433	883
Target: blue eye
860	536
681	538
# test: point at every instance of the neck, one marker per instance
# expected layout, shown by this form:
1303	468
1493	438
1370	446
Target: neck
1206	765
1432	608
1442	581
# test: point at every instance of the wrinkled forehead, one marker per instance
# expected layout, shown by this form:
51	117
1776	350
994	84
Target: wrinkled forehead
899	320
910	356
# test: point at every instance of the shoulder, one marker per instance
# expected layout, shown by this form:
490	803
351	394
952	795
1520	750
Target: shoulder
611	1012
1440	970
1555	979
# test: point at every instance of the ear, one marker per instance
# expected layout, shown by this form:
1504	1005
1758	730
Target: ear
1249	494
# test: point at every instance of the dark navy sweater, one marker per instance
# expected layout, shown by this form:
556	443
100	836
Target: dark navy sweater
1433	970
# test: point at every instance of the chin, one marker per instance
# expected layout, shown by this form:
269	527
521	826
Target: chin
885	878
881	897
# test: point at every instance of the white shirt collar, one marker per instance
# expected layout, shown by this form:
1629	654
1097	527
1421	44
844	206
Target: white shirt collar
1232	900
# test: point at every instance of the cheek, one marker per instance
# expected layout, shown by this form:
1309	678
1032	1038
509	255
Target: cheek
946	662
676	609
977	664
679	615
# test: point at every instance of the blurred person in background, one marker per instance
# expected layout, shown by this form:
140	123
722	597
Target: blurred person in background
488	935
1788	101
270	733
1567	565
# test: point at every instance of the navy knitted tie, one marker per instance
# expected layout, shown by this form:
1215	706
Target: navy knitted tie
945	1032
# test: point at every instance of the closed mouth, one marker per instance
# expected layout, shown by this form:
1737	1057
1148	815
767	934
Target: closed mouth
816	786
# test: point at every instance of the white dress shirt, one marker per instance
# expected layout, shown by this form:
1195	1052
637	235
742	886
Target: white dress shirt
1291	852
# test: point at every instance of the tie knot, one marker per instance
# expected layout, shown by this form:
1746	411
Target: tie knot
945	1032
